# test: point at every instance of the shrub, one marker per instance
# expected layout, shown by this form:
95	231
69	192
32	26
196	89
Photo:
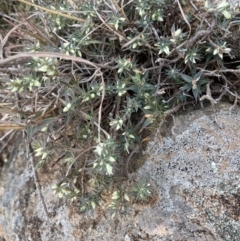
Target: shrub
96	75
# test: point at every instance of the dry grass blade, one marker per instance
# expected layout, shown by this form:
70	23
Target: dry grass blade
51	11
8	125
48	54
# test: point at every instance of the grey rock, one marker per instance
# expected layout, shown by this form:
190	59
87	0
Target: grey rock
196	173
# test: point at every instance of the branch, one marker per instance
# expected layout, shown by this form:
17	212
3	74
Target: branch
208	96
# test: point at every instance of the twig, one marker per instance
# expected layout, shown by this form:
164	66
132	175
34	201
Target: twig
199	34
226	88
235	101
221	95
208	95
229	70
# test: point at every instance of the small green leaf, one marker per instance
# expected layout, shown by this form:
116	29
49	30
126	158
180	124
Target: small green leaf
93	204
227	14
67	107
44	155
126	197
115	195
99	150
202	82
120	70
43	68
134	45
146	123
177	33
195	93
116	25
147	107
44	129
198	75
109	169
215	51
64	184
223	4
166	50
206	4
186	78
54	186
111	159
186	87
60	195
40	164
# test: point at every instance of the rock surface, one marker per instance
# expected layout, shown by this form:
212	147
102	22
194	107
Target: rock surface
195	174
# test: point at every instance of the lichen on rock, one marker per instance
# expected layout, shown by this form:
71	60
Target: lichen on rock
197	175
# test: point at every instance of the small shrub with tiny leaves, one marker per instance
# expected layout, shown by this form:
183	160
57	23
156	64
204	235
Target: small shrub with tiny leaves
94	79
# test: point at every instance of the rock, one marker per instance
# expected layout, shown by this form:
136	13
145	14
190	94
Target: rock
194	173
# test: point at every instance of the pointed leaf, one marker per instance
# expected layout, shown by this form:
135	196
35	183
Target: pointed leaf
227	14
202	82
195	93
40	164
198	75
109	169
206	4
126	197
186	78
215	51
186	87
146	123
115	195
54	186
93	204
99	150
223	4
44	155
166	50
38	154
111	159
